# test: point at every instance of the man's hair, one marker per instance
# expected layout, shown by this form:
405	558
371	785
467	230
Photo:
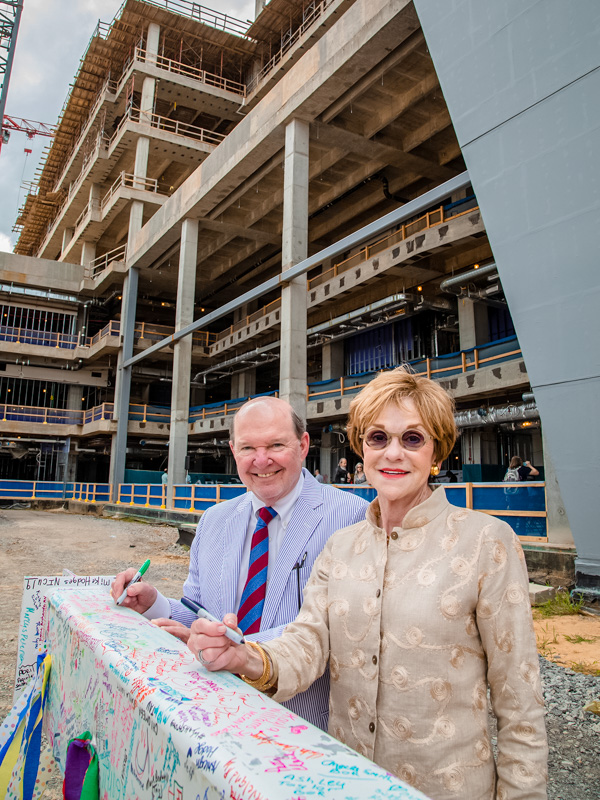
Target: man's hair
298	424
433	404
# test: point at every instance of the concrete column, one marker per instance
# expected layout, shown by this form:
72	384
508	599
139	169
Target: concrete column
123	380
74	395
471	441
332	360
67	237
243	384
472	323
88	253
559	530
147	99
182	355
152	39
328	459
292	378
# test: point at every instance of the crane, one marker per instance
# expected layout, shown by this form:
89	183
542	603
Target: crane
10	18
26	126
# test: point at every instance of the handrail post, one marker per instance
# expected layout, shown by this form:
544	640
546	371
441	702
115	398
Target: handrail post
476	358
342	386
463	359
428	361
469	495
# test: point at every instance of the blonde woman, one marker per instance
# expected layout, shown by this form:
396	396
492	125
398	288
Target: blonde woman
418	611
359	475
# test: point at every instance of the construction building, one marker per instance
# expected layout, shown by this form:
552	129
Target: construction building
199	158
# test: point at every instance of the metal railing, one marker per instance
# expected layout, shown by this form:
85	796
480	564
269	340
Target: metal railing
195	11
128	181
522	506
223	409
142	331
173	126
274	305
55	490
102	262
288	40
430	220
187	71
455	363
9	333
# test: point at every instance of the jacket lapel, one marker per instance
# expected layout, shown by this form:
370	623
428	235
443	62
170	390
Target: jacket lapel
306	517
233	545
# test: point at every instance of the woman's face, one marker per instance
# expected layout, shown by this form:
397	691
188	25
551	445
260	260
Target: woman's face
397	474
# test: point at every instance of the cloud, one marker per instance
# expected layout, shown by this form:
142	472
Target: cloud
6	245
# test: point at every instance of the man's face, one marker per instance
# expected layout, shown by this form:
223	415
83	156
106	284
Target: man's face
267	452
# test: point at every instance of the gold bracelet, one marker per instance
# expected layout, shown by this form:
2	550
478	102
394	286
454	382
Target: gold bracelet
262	683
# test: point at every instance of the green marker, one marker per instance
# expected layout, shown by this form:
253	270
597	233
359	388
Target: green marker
137	577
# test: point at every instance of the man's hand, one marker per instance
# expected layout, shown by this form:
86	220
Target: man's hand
177	629
140	597
213	649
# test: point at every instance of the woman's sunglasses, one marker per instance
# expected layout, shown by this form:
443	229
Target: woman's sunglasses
411	439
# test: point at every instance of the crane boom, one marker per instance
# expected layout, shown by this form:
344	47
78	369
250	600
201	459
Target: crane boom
27	126
10	17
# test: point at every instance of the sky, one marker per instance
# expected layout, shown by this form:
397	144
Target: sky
53	36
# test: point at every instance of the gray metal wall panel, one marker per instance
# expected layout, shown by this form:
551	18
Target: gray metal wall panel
522	82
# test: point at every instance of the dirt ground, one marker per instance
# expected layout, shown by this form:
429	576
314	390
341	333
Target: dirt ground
572	641
44	542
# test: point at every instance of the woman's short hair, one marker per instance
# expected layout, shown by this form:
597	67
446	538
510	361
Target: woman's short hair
516	461
433	404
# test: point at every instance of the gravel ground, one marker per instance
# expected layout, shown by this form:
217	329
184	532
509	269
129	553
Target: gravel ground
573	734
42	543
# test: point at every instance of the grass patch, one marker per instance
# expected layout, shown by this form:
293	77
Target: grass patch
561	605
580	639
545	641
586	668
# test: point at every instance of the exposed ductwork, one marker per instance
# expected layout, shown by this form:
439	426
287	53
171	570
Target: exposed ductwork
463	285
25	291
496	415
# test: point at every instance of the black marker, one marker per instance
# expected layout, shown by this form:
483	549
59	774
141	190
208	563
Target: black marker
202	613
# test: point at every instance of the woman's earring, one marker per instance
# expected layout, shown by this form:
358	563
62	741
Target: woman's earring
435	470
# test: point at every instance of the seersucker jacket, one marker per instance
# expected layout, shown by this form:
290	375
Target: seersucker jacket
415	628
215	562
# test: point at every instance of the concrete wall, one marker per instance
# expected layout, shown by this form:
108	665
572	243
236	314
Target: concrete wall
522	82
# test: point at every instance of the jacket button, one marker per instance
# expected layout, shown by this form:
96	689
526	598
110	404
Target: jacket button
372	727
394	535
374	659
378	593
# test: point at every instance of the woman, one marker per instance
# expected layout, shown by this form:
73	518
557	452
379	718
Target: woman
518	470
418	610
359	474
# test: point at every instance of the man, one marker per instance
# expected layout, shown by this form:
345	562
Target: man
269	443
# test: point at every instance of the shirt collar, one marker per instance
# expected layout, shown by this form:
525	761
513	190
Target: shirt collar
416	517
283	507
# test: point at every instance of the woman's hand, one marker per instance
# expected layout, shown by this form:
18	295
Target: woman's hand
213	649
177	629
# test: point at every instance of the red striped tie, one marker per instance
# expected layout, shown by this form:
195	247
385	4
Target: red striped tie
253	596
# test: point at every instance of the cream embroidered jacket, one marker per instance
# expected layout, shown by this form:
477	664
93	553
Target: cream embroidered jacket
414	630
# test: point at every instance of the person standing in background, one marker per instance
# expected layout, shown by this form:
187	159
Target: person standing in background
341	473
